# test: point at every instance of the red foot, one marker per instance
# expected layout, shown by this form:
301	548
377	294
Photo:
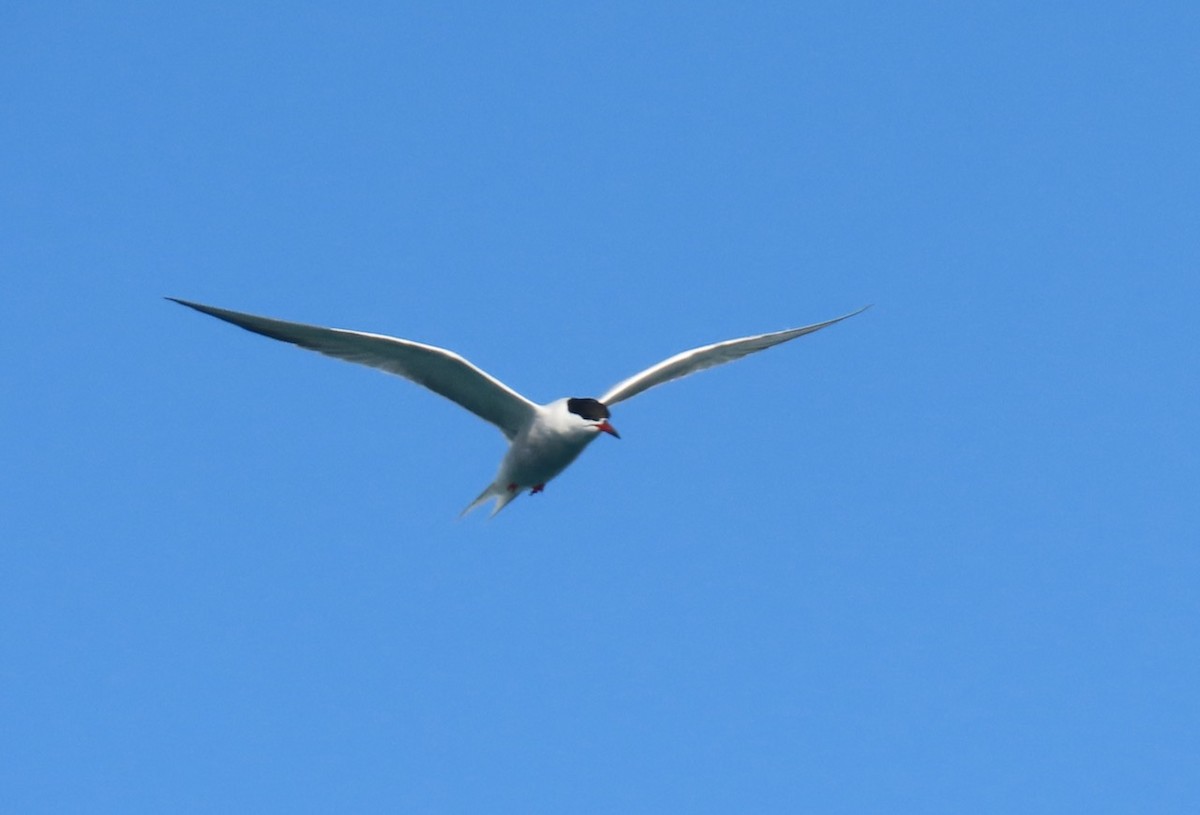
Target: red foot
512	487
537	489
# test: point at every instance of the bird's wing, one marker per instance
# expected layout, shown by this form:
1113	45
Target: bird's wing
707	356
441	371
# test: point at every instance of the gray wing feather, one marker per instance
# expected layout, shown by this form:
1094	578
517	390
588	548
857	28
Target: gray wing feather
708	356
441	371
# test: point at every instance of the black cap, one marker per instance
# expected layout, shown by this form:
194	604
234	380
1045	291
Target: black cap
589	409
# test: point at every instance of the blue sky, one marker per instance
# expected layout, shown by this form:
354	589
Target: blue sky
941	558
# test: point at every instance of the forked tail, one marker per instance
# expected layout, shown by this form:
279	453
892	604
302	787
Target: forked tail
501	493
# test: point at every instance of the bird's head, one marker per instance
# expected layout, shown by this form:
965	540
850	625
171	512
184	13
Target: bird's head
591	414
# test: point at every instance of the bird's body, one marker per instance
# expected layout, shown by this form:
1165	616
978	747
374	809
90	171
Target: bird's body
541	451
543	439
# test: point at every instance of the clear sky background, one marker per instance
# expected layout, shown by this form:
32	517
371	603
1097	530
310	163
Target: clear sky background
941	558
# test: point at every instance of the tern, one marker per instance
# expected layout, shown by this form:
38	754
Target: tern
543	439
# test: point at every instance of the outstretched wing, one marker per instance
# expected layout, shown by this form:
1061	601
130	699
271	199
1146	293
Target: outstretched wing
441	371
708	356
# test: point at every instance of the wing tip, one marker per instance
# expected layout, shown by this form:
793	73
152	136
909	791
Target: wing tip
187	303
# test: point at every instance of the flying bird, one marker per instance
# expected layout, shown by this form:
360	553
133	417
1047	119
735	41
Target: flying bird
543	439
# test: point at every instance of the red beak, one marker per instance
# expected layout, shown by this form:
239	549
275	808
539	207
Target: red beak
607	428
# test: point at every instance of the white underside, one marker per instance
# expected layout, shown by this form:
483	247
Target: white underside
542	450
